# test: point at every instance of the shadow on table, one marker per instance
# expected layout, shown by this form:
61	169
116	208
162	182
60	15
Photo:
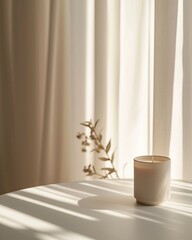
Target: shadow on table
94	210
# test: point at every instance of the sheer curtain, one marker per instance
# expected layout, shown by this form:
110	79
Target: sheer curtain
172	85
125	62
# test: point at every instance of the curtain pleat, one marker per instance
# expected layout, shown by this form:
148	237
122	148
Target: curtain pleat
187	92
134	112
165	40
6	98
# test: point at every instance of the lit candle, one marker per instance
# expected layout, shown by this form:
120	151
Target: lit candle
151	179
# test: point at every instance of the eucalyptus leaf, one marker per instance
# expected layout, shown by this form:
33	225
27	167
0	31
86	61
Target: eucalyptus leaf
100	137
104	158
96	123
112	157
107	169
85	124
108	146
95	149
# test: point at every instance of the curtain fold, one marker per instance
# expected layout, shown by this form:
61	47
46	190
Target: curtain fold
134	84
187	91
124	62
165	46
6	98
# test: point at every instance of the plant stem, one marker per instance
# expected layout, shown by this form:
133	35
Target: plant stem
99	144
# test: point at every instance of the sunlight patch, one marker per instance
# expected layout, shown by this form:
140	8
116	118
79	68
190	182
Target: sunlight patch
26	220
181	208
103	188
63	236
114	214
67	198
10	223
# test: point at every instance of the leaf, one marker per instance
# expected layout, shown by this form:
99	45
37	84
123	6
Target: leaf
79	135
113	170
108	146
112	157
89	174
96	123
107	169
99	138
104	158
83	149
85	124
103	177
94	169
88	122
95	149
85	143
100	147
92	137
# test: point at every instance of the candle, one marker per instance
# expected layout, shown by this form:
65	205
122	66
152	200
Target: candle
151	179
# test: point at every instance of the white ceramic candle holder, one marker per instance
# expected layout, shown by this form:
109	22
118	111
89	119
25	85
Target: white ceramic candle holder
151	179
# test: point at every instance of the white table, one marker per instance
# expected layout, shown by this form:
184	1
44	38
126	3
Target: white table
97	209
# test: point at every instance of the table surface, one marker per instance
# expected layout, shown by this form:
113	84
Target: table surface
95	209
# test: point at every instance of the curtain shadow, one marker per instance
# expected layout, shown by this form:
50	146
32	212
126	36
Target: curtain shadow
187	90
6	99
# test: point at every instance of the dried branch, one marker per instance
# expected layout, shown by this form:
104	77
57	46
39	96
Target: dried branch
94	138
